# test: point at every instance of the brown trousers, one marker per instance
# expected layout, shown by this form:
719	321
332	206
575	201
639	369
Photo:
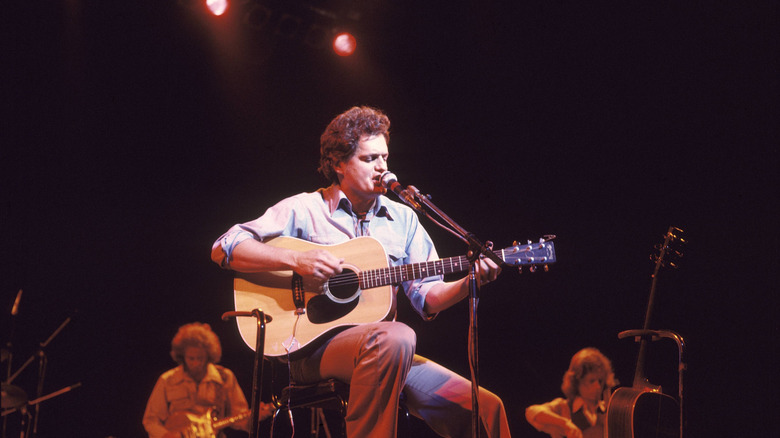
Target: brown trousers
378	362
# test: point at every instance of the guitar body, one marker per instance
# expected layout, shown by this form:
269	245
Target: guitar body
192	424
638	413
272	293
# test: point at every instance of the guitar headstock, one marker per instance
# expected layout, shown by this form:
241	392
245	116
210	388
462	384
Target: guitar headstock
531	254
669	252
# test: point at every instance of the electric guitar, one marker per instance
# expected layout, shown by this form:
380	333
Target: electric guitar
643	411
190	424
362	293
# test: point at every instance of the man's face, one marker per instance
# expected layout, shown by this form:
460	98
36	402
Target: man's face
360	174
195	362
591	385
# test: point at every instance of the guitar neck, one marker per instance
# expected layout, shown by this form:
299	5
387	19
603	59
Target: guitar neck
225	422
530	254
639	375
413	271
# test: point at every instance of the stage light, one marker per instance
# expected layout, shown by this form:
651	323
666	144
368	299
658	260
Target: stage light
344	44
217	7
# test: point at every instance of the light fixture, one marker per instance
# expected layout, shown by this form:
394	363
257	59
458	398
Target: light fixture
344	44
217	7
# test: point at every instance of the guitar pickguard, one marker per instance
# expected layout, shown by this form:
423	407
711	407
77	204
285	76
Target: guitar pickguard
321	309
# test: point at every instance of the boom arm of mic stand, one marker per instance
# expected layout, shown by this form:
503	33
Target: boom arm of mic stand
475	245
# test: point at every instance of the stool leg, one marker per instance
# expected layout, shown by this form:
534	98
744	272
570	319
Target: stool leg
323	422
314	423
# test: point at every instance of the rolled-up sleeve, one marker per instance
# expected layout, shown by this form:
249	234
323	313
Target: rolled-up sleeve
557	406
276	221
226	243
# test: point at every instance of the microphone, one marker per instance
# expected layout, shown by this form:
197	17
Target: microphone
390	182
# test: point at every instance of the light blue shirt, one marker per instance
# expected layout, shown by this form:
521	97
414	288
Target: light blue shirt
325	217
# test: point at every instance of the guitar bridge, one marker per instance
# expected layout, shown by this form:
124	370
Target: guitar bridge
298	295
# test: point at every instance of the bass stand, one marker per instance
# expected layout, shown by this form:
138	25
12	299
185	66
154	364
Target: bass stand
476	251
655	335
42	361
257	374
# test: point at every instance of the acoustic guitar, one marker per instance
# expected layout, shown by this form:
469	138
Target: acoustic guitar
362	293
643	411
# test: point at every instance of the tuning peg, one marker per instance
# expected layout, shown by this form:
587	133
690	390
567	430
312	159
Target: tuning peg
532	268
546	268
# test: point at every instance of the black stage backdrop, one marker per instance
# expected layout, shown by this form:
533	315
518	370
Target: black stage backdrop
135	133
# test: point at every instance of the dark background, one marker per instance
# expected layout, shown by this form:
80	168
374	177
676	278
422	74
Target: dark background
135	133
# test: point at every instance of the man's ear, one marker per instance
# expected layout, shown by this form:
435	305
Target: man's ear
339	168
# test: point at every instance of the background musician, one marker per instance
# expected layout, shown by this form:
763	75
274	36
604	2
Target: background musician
587	385
180	401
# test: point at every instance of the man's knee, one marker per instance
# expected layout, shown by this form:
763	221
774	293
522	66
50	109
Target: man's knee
396	337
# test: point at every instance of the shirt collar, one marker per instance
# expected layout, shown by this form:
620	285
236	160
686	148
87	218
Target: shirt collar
212	374
579	403
335	199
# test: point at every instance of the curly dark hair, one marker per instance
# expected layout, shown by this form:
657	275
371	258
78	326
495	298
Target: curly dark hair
340	140
586	361
196	335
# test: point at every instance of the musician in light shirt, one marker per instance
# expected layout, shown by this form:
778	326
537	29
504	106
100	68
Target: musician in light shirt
377	359
586	385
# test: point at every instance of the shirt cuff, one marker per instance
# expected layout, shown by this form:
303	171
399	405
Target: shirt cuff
229	241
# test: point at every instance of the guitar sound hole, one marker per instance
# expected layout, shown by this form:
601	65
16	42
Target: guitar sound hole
344	286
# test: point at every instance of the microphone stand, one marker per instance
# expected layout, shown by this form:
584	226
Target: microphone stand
477	249
42	360
257	373
10	349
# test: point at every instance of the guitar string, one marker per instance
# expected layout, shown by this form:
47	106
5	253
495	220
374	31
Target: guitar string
401	273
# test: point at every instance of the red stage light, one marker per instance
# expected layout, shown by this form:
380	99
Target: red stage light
344	44
217	7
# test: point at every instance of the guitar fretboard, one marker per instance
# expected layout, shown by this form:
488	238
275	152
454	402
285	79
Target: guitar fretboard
398	274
